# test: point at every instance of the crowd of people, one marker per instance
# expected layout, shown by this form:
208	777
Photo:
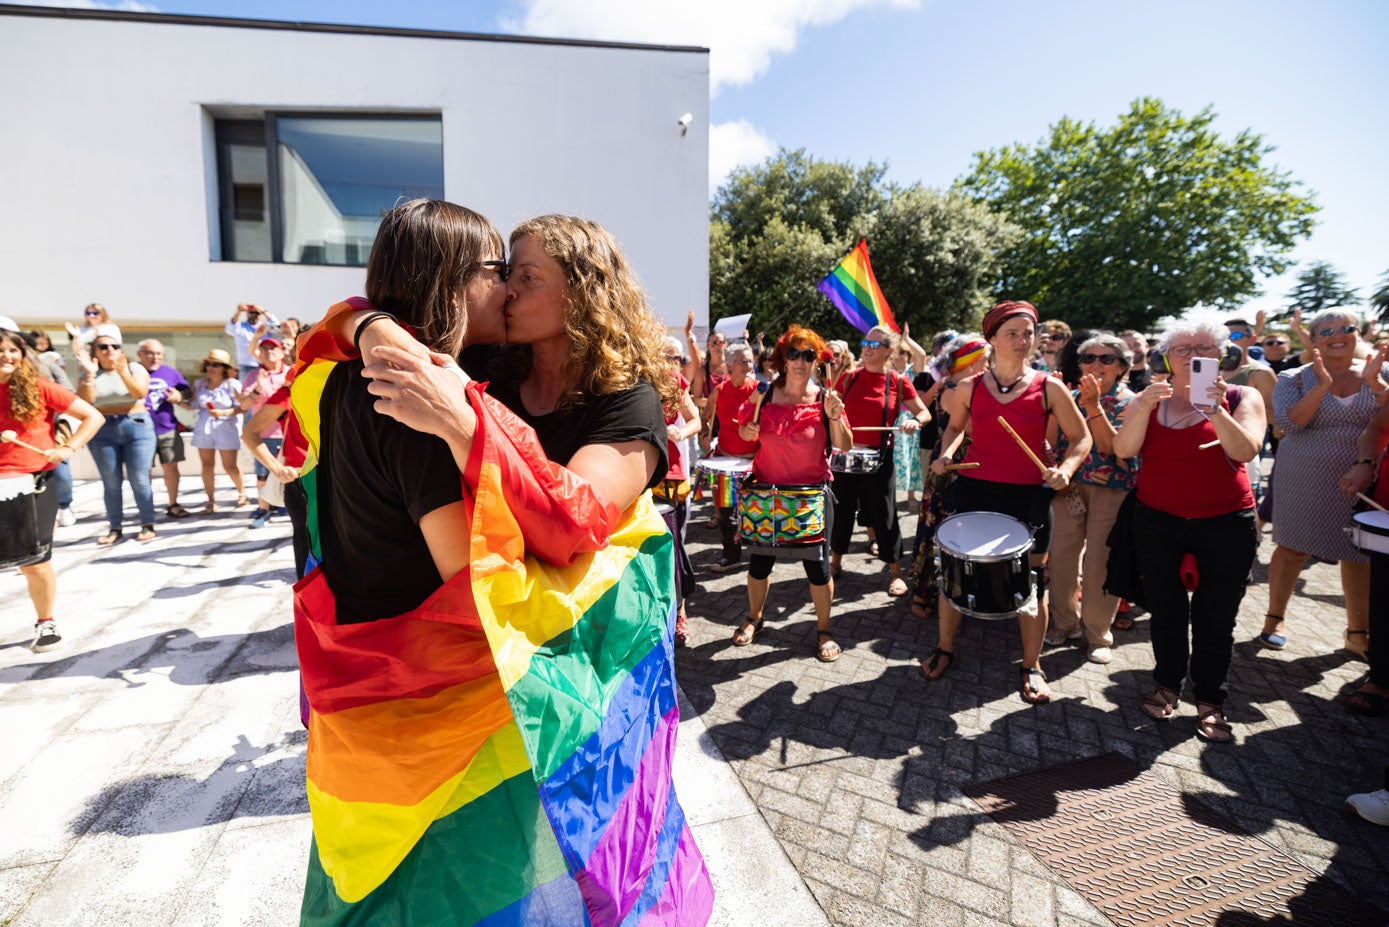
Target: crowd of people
1067	479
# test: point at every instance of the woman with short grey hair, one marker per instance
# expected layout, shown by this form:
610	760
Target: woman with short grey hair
1101	483
1321	407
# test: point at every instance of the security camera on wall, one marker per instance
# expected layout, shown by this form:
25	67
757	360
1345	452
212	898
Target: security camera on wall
684	122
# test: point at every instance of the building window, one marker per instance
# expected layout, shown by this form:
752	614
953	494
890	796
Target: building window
321	196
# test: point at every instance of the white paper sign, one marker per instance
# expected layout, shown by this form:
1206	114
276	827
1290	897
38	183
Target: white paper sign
733	327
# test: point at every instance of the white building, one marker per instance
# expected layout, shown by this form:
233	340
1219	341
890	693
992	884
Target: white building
170	167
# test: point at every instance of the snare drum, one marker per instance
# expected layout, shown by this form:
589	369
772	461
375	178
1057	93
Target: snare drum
856	460
983	564
1370	532
21	542
719	476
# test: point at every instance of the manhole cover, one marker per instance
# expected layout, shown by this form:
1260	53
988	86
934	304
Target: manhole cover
1144	854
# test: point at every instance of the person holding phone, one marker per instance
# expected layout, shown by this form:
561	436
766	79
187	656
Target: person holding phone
1193	518
1322	407
126	441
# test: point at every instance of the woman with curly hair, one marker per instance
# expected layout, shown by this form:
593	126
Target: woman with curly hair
29	405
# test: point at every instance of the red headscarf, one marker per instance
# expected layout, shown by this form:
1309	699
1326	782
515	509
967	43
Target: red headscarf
995	317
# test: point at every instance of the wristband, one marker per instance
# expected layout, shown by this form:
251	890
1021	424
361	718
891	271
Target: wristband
357	336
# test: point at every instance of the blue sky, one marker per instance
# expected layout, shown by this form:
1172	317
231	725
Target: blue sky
922	85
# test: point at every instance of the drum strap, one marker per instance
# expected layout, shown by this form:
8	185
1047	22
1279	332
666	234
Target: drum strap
889	413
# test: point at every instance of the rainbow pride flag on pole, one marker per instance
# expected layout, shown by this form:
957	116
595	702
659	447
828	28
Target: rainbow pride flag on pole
854	291
502	754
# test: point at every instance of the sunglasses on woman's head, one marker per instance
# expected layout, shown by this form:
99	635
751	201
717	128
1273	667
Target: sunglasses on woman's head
805	354
1108	360
1343	330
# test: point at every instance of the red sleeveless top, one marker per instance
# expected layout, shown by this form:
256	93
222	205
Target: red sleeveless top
998	455
1177	478
731	399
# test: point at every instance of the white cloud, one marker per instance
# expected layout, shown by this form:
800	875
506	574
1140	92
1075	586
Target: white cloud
742	35
733	144
124	6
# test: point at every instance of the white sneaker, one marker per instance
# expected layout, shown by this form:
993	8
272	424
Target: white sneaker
1372	806
1100	655
46	636
66	517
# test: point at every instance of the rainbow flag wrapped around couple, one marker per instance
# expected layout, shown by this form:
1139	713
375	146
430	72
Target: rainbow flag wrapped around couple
502	754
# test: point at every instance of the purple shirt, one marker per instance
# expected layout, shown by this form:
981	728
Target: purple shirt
162	379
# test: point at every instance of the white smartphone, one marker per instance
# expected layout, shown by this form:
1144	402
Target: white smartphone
1204	370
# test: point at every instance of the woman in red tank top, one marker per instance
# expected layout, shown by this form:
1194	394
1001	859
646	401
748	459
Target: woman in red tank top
1193	507
1006	480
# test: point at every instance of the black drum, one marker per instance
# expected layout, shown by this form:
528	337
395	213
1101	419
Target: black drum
983	564
21	542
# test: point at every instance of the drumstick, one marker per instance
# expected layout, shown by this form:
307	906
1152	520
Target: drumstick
1208	444
875	428
1022	444
962	466
1364	498
10	437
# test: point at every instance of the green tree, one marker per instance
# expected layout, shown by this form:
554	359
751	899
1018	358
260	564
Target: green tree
778	228
1319	286
1380	298
1128	223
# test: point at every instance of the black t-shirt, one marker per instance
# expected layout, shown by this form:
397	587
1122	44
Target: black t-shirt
634	414
379	479
931	431
1139	380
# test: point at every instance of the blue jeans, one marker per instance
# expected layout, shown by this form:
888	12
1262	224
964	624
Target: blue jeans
62	482
126	441
274	444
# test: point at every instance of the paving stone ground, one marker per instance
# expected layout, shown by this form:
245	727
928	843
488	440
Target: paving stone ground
858	765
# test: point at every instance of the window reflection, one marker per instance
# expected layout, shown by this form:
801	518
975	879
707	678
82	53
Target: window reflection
338	176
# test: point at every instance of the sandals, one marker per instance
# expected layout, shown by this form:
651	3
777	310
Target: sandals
747	632
1161	703
1123	622
210	509
1211	725
921	608
242	500
178	511
682	629
146	533
109	538
872	548
1362	650
898	587
1032	693
931	668
827	651
1271	640
1370	704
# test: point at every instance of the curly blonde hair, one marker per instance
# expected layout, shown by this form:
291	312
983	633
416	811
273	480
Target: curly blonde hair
615	339
26	402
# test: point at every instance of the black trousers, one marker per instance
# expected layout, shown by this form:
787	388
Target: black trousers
875	495
1379	619
1224	549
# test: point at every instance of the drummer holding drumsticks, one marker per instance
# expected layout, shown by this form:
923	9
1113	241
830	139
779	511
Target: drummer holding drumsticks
873	395
719	417
1008	406
28	407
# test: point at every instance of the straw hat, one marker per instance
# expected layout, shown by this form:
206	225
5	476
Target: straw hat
218	356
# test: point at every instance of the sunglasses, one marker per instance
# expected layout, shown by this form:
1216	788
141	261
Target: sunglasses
502	268
1343	330
805	354
1274	342
92	315
1057	337
1108	360
672	358
873	343
107	347
1239	336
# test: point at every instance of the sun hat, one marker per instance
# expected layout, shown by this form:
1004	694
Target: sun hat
218	356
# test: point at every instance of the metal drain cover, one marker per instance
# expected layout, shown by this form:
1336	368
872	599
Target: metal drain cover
1145	854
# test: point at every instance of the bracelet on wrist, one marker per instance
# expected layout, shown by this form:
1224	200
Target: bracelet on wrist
373	317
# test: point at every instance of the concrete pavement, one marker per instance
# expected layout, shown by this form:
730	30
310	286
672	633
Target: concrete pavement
152	770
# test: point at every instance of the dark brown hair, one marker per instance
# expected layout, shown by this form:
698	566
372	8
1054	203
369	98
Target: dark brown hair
425	252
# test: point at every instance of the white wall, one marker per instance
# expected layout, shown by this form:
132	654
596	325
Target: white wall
104	170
